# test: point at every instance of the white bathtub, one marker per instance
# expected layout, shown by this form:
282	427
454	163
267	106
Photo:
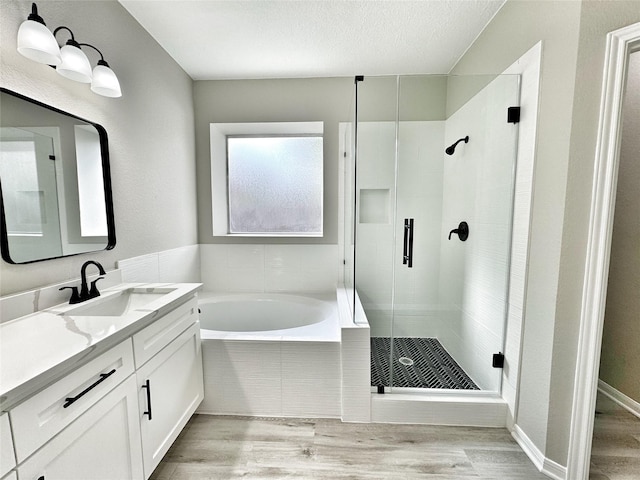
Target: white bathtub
269	316
270	354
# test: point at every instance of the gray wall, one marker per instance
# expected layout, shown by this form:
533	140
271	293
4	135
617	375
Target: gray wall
150	129
573	35
620	361
284	100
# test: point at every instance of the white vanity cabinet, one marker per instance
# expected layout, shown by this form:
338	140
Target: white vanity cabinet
102	444
83	426
115	415
170	383
7	454
43	415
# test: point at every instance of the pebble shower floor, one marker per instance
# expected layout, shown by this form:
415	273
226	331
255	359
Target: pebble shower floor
417	363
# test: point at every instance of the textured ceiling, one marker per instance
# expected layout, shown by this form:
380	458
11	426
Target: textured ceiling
233	39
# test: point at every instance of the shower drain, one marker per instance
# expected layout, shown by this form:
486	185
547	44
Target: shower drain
405	361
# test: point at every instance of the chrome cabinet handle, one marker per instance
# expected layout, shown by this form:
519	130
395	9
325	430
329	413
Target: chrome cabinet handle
103	376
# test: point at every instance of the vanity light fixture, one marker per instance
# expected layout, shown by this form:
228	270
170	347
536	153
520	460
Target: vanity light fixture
37	43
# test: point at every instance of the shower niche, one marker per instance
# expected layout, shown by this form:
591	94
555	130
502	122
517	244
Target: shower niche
436	321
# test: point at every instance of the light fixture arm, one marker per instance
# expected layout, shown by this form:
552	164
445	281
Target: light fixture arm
34	15
72	40
102	61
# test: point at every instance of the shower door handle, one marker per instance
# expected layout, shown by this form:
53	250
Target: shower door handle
407	252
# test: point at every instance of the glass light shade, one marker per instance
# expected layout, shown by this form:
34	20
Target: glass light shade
105	82
37	43
75	64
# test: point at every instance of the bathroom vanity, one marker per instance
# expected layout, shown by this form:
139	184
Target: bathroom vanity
99	389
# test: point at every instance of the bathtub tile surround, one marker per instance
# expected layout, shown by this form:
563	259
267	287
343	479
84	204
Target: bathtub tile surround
311	379
269	268
262	371
177	265
283	379
242	377
355	363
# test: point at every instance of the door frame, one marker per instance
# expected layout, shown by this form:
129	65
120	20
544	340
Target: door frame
620	44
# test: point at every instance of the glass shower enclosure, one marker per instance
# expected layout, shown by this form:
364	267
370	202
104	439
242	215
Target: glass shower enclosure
430	175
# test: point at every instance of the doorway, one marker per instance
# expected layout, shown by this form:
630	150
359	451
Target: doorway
620	45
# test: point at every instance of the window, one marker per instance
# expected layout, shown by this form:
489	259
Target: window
275	185
274	179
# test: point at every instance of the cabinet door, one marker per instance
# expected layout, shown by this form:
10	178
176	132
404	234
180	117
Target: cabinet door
170	389
7	455
102	444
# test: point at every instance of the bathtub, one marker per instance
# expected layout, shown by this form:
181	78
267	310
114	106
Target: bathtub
262	316
270	354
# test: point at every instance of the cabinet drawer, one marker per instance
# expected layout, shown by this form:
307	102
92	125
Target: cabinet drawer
148	342
42	416
102	444
7	457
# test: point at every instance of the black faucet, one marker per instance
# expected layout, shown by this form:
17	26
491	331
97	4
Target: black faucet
86	293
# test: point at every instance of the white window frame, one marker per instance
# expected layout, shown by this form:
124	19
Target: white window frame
218	133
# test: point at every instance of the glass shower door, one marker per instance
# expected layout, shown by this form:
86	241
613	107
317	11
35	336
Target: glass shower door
435	294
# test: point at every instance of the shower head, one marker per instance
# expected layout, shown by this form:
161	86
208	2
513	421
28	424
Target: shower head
452	148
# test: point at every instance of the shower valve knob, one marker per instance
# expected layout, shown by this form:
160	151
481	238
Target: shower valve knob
462	231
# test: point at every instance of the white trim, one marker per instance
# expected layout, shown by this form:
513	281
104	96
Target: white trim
528	67
488	410
554	470
619	44
534	454
620	398
548	467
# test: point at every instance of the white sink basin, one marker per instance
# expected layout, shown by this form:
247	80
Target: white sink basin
119	303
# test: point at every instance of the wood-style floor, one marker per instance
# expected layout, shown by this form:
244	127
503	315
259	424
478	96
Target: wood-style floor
615	454
219	447
214	447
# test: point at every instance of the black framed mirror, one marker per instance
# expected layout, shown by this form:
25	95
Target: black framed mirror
55	182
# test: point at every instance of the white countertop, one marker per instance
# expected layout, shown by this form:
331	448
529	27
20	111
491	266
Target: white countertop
39	348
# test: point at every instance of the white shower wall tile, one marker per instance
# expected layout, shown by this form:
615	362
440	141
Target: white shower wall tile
427	325
477	189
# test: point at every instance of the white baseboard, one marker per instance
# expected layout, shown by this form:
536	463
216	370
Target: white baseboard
620	398
546	466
